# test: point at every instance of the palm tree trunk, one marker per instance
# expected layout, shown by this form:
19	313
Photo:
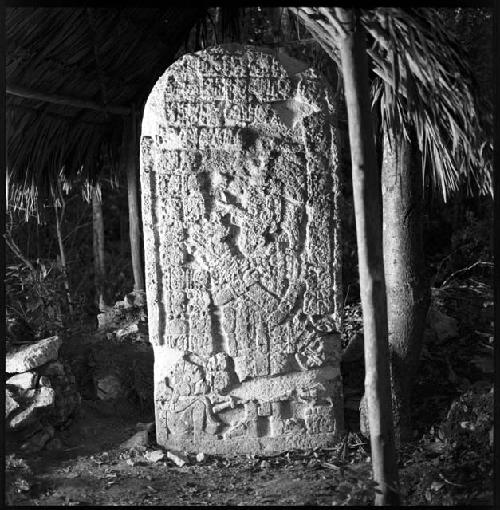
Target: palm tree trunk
407	287
28	228
368	211
98	248
131	148
62	254
37	241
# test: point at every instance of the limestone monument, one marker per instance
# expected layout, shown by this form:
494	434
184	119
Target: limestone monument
239	179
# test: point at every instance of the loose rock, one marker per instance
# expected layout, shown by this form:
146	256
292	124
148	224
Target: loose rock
109	387
39	399
23	381
154	456
177	458
45	381
10	403
42	397
33	355
131	329
26	417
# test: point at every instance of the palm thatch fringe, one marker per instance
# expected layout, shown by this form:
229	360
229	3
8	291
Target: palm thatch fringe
108	56
422	85
114	56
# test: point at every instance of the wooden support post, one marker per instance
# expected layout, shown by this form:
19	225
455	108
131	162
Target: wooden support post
98	245
131	148
368	210
62	254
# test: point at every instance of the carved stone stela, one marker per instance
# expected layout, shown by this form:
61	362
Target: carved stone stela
239	178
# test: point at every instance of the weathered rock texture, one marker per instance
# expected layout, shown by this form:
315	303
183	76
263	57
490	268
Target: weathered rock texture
125	318
41	398
32	355
239	177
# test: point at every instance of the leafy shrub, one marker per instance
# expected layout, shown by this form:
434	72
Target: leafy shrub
36	297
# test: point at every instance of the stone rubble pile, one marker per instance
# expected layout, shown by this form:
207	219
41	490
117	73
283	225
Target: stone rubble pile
126	318
142	446
40	394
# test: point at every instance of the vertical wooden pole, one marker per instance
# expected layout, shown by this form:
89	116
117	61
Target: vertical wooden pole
368	211
98	248
28	228
37	240
131	148
62	254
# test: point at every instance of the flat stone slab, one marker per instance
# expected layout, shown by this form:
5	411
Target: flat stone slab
33	355
41	398
23	381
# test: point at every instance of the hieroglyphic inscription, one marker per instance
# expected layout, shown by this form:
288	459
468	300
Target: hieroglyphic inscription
239	177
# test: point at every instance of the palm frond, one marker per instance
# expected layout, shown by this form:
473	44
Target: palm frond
422	85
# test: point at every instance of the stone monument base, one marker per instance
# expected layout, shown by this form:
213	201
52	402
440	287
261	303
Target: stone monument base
244	445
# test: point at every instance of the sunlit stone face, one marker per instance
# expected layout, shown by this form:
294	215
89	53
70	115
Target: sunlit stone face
239	179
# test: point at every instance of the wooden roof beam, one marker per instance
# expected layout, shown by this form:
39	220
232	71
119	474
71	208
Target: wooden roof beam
27	93
57	115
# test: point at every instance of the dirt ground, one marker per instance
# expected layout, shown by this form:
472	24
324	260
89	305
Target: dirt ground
91	469
449	462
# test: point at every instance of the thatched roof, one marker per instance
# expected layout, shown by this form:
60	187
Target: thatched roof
104	60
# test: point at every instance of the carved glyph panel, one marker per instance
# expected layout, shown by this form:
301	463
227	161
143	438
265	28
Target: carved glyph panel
239	178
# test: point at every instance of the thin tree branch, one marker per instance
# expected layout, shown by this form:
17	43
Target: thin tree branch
17	251
472	266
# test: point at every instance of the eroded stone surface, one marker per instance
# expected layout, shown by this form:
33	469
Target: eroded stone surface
23	381
32	355
239	177
109	387
10	402
37	399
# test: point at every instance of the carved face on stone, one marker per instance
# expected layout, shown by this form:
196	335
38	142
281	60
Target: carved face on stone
239	184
